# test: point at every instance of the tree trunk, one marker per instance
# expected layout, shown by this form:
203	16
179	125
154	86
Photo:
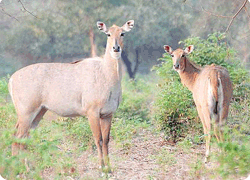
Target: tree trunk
92	42
127	63
131	71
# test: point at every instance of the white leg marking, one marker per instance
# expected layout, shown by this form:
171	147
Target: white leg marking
220	98
210	98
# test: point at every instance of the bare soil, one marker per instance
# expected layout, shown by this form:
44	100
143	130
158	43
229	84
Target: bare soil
148	156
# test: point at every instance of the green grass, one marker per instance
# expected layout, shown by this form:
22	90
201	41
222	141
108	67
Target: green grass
165	158
235	155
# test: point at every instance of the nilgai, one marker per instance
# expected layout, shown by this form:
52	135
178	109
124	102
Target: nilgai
91	88
211	88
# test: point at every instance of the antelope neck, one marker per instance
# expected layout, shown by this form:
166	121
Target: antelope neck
112	67
189	74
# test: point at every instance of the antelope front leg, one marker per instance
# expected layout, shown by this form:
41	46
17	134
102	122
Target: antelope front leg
94	122
105	128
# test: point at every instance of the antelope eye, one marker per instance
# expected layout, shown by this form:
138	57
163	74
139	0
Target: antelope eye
183	55
122	34
172	55
108	35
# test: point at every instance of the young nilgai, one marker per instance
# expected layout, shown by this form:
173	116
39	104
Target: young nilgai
91	88
211	88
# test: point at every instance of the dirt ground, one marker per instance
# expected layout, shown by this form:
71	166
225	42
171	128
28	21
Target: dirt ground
147	157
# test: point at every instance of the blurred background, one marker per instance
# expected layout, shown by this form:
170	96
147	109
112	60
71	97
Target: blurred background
65	30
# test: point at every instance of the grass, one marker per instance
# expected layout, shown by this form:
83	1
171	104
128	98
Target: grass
235	155
55	147
164	158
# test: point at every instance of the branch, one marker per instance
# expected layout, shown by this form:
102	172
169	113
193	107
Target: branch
234	16
245	8
210	13
4	12
26	9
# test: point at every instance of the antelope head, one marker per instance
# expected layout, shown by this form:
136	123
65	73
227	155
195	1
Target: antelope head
179	57
115	36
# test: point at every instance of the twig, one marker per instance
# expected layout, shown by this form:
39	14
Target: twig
213	14
26	9
4	12
234	16
208	12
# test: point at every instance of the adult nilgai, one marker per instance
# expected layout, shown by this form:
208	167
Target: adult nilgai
211	88
91	88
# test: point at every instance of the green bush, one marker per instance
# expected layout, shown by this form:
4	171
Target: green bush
174	109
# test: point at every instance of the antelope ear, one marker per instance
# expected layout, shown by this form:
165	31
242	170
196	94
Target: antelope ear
168	49
128	25
101	26
189	49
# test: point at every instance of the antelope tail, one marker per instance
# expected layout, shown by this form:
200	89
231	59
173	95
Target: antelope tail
215	92
214	81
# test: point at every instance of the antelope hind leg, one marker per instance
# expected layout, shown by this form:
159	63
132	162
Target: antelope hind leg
94	122
24	123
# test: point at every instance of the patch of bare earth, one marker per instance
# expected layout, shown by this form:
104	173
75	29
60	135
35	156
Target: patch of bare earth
143	159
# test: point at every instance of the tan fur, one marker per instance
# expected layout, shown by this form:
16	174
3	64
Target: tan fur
91	88
209	85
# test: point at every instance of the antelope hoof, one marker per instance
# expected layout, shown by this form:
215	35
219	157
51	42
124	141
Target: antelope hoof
206	160
106	172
